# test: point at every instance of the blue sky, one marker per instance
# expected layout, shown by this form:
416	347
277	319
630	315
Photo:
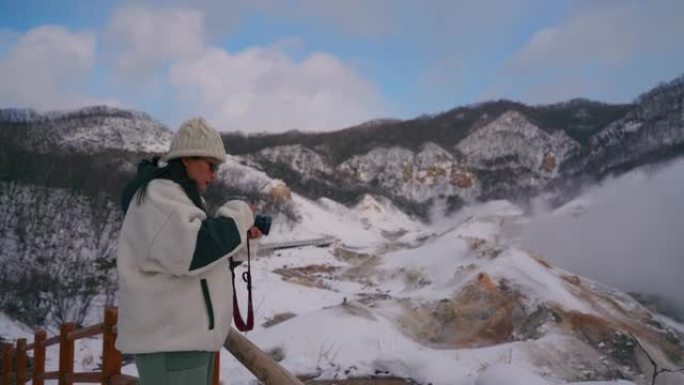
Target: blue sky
314	65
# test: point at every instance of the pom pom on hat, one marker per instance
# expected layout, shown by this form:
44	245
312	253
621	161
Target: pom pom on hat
196	138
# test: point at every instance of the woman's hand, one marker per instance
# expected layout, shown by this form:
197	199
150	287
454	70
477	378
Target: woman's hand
254	233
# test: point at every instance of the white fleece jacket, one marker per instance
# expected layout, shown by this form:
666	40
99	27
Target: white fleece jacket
175	291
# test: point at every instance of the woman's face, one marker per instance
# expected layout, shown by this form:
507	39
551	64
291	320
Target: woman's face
201	170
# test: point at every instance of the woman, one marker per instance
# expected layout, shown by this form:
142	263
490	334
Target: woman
175	293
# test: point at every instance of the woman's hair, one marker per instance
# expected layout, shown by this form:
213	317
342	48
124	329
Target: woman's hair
149	170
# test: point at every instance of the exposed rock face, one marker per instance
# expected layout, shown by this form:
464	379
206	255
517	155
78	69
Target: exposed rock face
380	165
511	141
511	154
507	154
417	176
549	163
298	158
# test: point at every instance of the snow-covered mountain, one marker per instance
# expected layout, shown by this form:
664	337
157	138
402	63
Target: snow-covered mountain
88	130
512	141
652	131
496	150
457	301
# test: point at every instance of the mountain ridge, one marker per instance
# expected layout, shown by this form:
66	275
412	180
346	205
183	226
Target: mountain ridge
576	139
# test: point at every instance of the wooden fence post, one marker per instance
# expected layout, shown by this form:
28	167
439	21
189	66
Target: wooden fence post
217	368
66	353
6	364
39	357
258	362
111	358
21	361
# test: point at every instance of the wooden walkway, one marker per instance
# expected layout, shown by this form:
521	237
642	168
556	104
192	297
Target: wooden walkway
317	242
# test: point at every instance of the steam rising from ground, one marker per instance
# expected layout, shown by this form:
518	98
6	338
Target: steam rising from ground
627	232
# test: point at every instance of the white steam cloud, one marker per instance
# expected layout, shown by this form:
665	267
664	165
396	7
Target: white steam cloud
45	68
626	232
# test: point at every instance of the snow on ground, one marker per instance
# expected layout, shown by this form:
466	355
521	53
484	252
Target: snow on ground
435	262
331	333
535	280
13	329
334	336
507	374
671	323
381	213
272	296
363	228
87	354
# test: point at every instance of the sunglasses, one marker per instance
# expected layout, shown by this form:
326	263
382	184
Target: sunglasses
213	166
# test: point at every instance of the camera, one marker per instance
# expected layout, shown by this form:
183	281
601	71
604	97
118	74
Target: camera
263	223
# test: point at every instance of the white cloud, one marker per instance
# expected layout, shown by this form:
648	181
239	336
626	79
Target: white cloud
606	36
367	18
262	89
45	68
166	54
144	39
596	49
628	234
7	38
220	17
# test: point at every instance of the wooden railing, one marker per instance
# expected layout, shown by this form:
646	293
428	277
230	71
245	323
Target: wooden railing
15	371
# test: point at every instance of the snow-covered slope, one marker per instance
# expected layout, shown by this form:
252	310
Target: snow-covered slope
441	309
508	154
511	141
418	176
88	130
300	159
455	303
371	224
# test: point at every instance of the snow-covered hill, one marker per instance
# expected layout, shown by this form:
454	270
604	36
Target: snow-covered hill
88	130
455	302
445	305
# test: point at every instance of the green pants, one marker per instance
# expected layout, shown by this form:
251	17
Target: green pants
175	368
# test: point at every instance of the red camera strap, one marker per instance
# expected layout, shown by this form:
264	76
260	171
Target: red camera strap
240	324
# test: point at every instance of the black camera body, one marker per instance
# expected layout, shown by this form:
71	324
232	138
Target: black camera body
263	223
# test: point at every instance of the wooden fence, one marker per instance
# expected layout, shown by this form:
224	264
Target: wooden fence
14	358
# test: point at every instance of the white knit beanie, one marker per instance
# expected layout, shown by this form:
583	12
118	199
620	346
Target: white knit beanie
196	138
